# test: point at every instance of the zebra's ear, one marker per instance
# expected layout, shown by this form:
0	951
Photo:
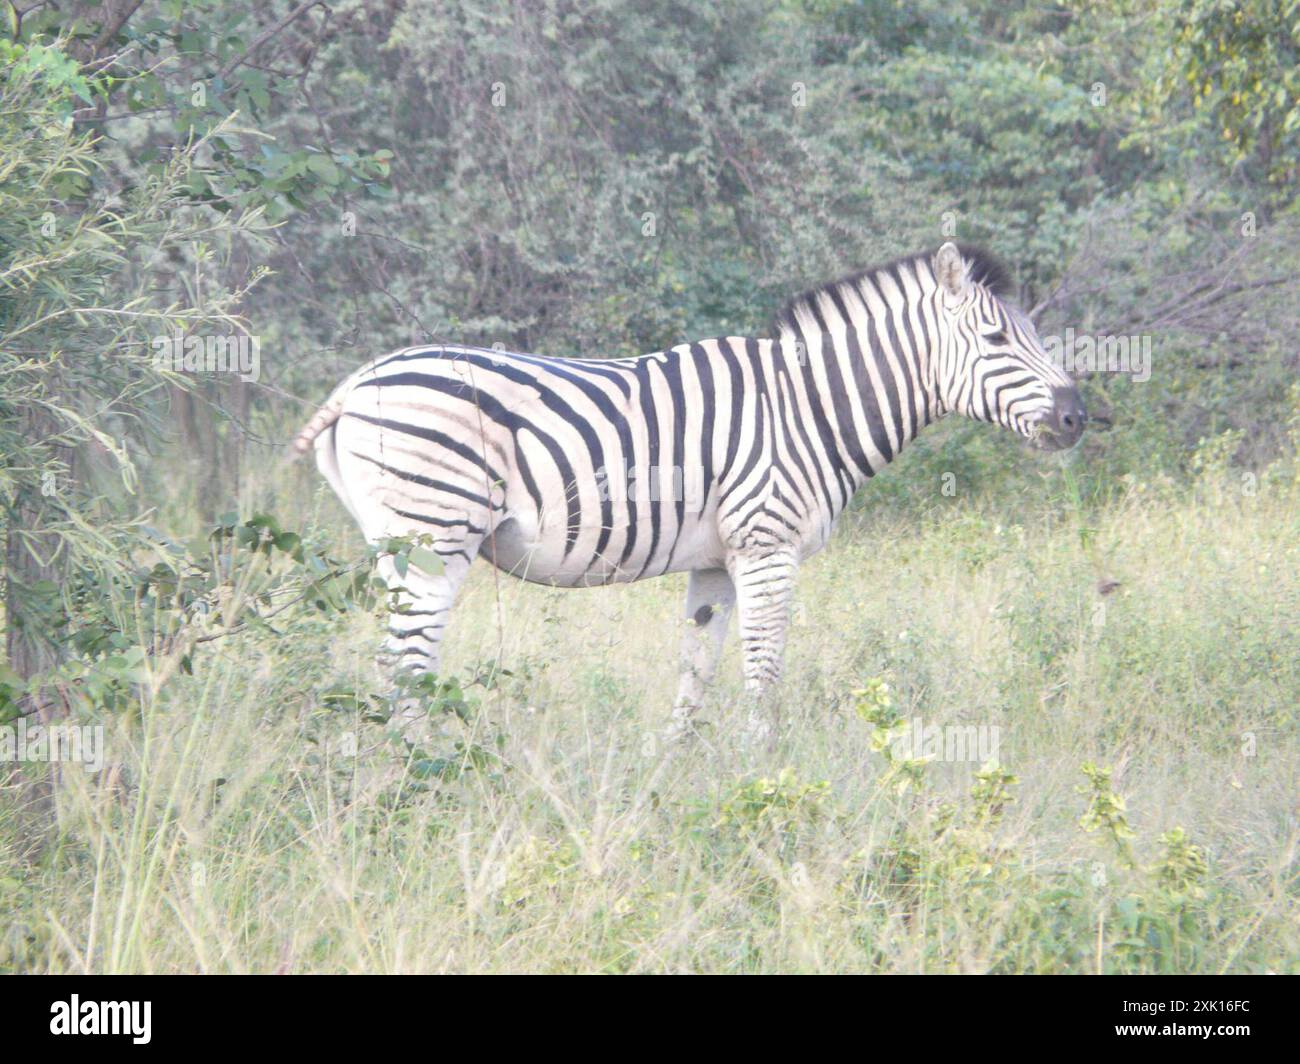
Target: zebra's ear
950	270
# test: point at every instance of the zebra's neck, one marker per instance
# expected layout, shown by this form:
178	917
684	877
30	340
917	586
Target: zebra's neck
865	349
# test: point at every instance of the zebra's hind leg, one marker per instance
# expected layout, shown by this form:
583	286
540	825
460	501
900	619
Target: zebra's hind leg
764	589
710	598
420	608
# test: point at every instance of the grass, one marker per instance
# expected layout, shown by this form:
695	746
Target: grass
253	823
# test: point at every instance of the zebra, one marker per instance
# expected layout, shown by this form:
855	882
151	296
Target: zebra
728	458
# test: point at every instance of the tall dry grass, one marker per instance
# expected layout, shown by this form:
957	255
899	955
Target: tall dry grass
260	823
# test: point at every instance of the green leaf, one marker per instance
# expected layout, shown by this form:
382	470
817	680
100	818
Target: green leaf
426	559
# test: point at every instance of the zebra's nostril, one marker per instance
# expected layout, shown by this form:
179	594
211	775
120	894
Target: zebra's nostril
1068	416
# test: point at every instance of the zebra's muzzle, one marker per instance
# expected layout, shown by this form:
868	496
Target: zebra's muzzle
1062	426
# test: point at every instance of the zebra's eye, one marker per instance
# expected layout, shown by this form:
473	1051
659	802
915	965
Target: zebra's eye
999	337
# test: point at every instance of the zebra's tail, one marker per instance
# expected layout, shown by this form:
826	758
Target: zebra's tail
320	421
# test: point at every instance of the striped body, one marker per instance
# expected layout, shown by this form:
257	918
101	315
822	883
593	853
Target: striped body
727	458
585	473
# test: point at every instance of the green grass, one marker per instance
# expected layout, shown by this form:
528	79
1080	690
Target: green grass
242	834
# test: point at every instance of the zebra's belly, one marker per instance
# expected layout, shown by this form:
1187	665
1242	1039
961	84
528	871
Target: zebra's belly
544	553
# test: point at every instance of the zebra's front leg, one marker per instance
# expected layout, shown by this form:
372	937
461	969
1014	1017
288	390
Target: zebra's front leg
764	589
710	598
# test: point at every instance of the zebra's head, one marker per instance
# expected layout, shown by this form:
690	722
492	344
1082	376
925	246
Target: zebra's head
990	364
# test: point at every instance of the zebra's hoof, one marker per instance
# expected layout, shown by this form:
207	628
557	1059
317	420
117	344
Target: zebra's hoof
759	731
681	727
684	728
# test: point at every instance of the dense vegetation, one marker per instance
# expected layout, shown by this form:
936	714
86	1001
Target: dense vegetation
329	181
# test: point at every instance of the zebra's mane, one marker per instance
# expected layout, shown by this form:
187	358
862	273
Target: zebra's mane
985	269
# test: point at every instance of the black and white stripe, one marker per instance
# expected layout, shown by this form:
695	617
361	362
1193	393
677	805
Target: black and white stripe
729	458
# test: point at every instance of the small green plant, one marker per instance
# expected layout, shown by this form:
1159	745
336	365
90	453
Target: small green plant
774	806
874	704
947	843
991	793
1183	867
1106	811
1162	922
1164	925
